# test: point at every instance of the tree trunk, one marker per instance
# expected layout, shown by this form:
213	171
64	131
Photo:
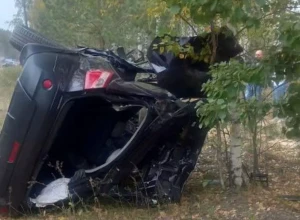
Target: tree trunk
25	12
254	146
227	159
157	26
140	43
219	155
235	153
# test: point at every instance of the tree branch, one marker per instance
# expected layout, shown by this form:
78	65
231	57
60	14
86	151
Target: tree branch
214	43
188	23
262	17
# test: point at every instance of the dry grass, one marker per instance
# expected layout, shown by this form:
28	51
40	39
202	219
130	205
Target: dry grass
8	78
199	201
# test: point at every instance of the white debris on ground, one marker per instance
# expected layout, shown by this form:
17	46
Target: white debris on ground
52	193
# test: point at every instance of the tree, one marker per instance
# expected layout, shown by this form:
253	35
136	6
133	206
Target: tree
6	50
22	14
267	25
95	23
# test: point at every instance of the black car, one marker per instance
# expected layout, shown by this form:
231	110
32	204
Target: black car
76	114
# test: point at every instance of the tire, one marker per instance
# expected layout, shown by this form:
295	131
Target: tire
23	35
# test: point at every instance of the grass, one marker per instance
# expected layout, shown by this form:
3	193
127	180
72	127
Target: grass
200	201
8	77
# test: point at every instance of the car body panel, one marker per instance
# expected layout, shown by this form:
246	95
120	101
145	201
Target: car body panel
28	123
35	113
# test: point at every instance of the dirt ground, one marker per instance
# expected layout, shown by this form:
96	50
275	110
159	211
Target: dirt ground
206	200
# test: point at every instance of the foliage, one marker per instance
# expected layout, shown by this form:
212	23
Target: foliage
290	109
224	93
6	49
22	14
272	26
97	23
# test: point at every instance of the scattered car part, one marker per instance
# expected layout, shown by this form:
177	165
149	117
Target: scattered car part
52	193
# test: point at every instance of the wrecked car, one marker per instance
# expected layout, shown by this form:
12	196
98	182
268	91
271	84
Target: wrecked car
74	127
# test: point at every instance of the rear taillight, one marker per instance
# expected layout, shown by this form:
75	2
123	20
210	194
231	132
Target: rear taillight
14	152
47	84
97	79
3	210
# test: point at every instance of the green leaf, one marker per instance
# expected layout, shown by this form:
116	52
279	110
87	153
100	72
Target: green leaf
238	14
214	5
261	2
220	101
175	9
197	18
244	83
222	115
297	26
249	22
223	106
266	8
232	105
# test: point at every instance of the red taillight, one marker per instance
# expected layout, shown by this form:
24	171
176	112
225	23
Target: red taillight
3	210
47	84
14	152
97	79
